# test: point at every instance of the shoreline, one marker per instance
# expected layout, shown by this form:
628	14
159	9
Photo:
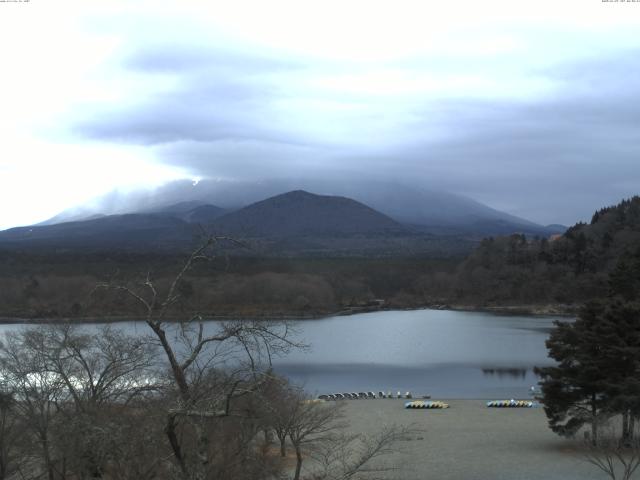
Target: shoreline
544	310
516	310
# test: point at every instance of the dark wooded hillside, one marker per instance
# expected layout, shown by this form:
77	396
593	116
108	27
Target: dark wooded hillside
570	268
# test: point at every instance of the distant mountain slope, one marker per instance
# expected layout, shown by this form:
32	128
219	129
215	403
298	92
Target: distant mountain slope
177	209
301	213
293	223
297	222
439	211
73	215
131	231
193	211
433	211
205	214
414	205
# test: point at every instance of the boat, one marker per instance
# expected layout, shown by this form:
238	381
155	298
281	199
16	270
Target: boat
510	404
426	404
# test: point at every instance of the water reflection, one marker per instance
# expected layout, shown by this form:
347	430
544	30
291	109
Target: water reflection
440	381
506	372
448	354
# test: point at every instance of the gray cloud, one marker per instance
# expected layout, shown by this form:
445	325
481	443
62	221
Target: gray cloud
190	58
218	95
554	158
247	159
177	119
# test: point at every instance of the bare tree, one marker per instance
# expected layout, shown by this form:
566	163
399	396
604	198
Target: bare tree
312	423
37	394
279	401
317	429
72	391
10	436
103	405
209	368
617	458
347	457
98	368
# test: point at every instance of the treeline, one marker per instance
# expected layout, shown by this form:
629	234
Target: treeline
507	271
62	285
567	269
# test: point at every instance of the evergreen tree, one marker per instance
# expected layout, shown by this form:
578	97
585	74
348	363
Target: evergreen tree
598	371
624	280
619	335
574	390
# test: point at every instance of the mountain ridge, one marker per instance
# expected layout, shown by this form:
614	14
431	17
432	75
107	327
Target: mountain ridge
296	221
292	223
300	213
433	211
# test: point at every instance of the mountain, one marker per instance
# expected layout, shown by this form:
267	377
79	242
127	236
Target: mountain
73	215
128	232
301	213
176	209
296	222
556	229
193	211
293	223
429	210
441	212
205	214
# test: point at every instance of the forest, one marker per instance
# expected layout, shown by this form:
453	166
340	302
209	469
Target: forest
502	272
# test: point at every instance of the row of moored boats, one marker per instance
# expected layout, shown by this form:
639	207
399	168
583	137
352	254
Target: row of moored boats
366	395
492	404
418	404
511	404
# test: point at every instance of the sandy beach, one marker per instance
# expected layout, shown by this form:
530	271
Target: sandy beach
469	441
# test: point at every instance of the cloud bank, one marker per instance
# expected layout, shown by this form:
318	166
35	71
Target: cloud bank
532	112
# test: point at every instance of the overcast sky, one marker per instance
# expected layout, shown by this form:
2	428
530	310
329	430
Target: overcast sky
530	107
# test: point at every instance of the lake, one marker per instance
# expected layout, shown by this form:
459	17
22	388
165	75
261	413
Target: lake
444	353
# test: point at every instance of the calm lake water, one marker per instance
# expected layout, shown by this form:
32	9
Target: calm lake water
447	354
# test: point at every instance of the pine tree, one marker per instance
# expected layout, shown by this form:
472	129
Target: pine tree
574	390
598	371
619	334
624	280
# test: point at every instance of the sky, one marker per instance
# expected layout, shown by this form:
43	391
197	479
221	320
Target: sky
530	107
